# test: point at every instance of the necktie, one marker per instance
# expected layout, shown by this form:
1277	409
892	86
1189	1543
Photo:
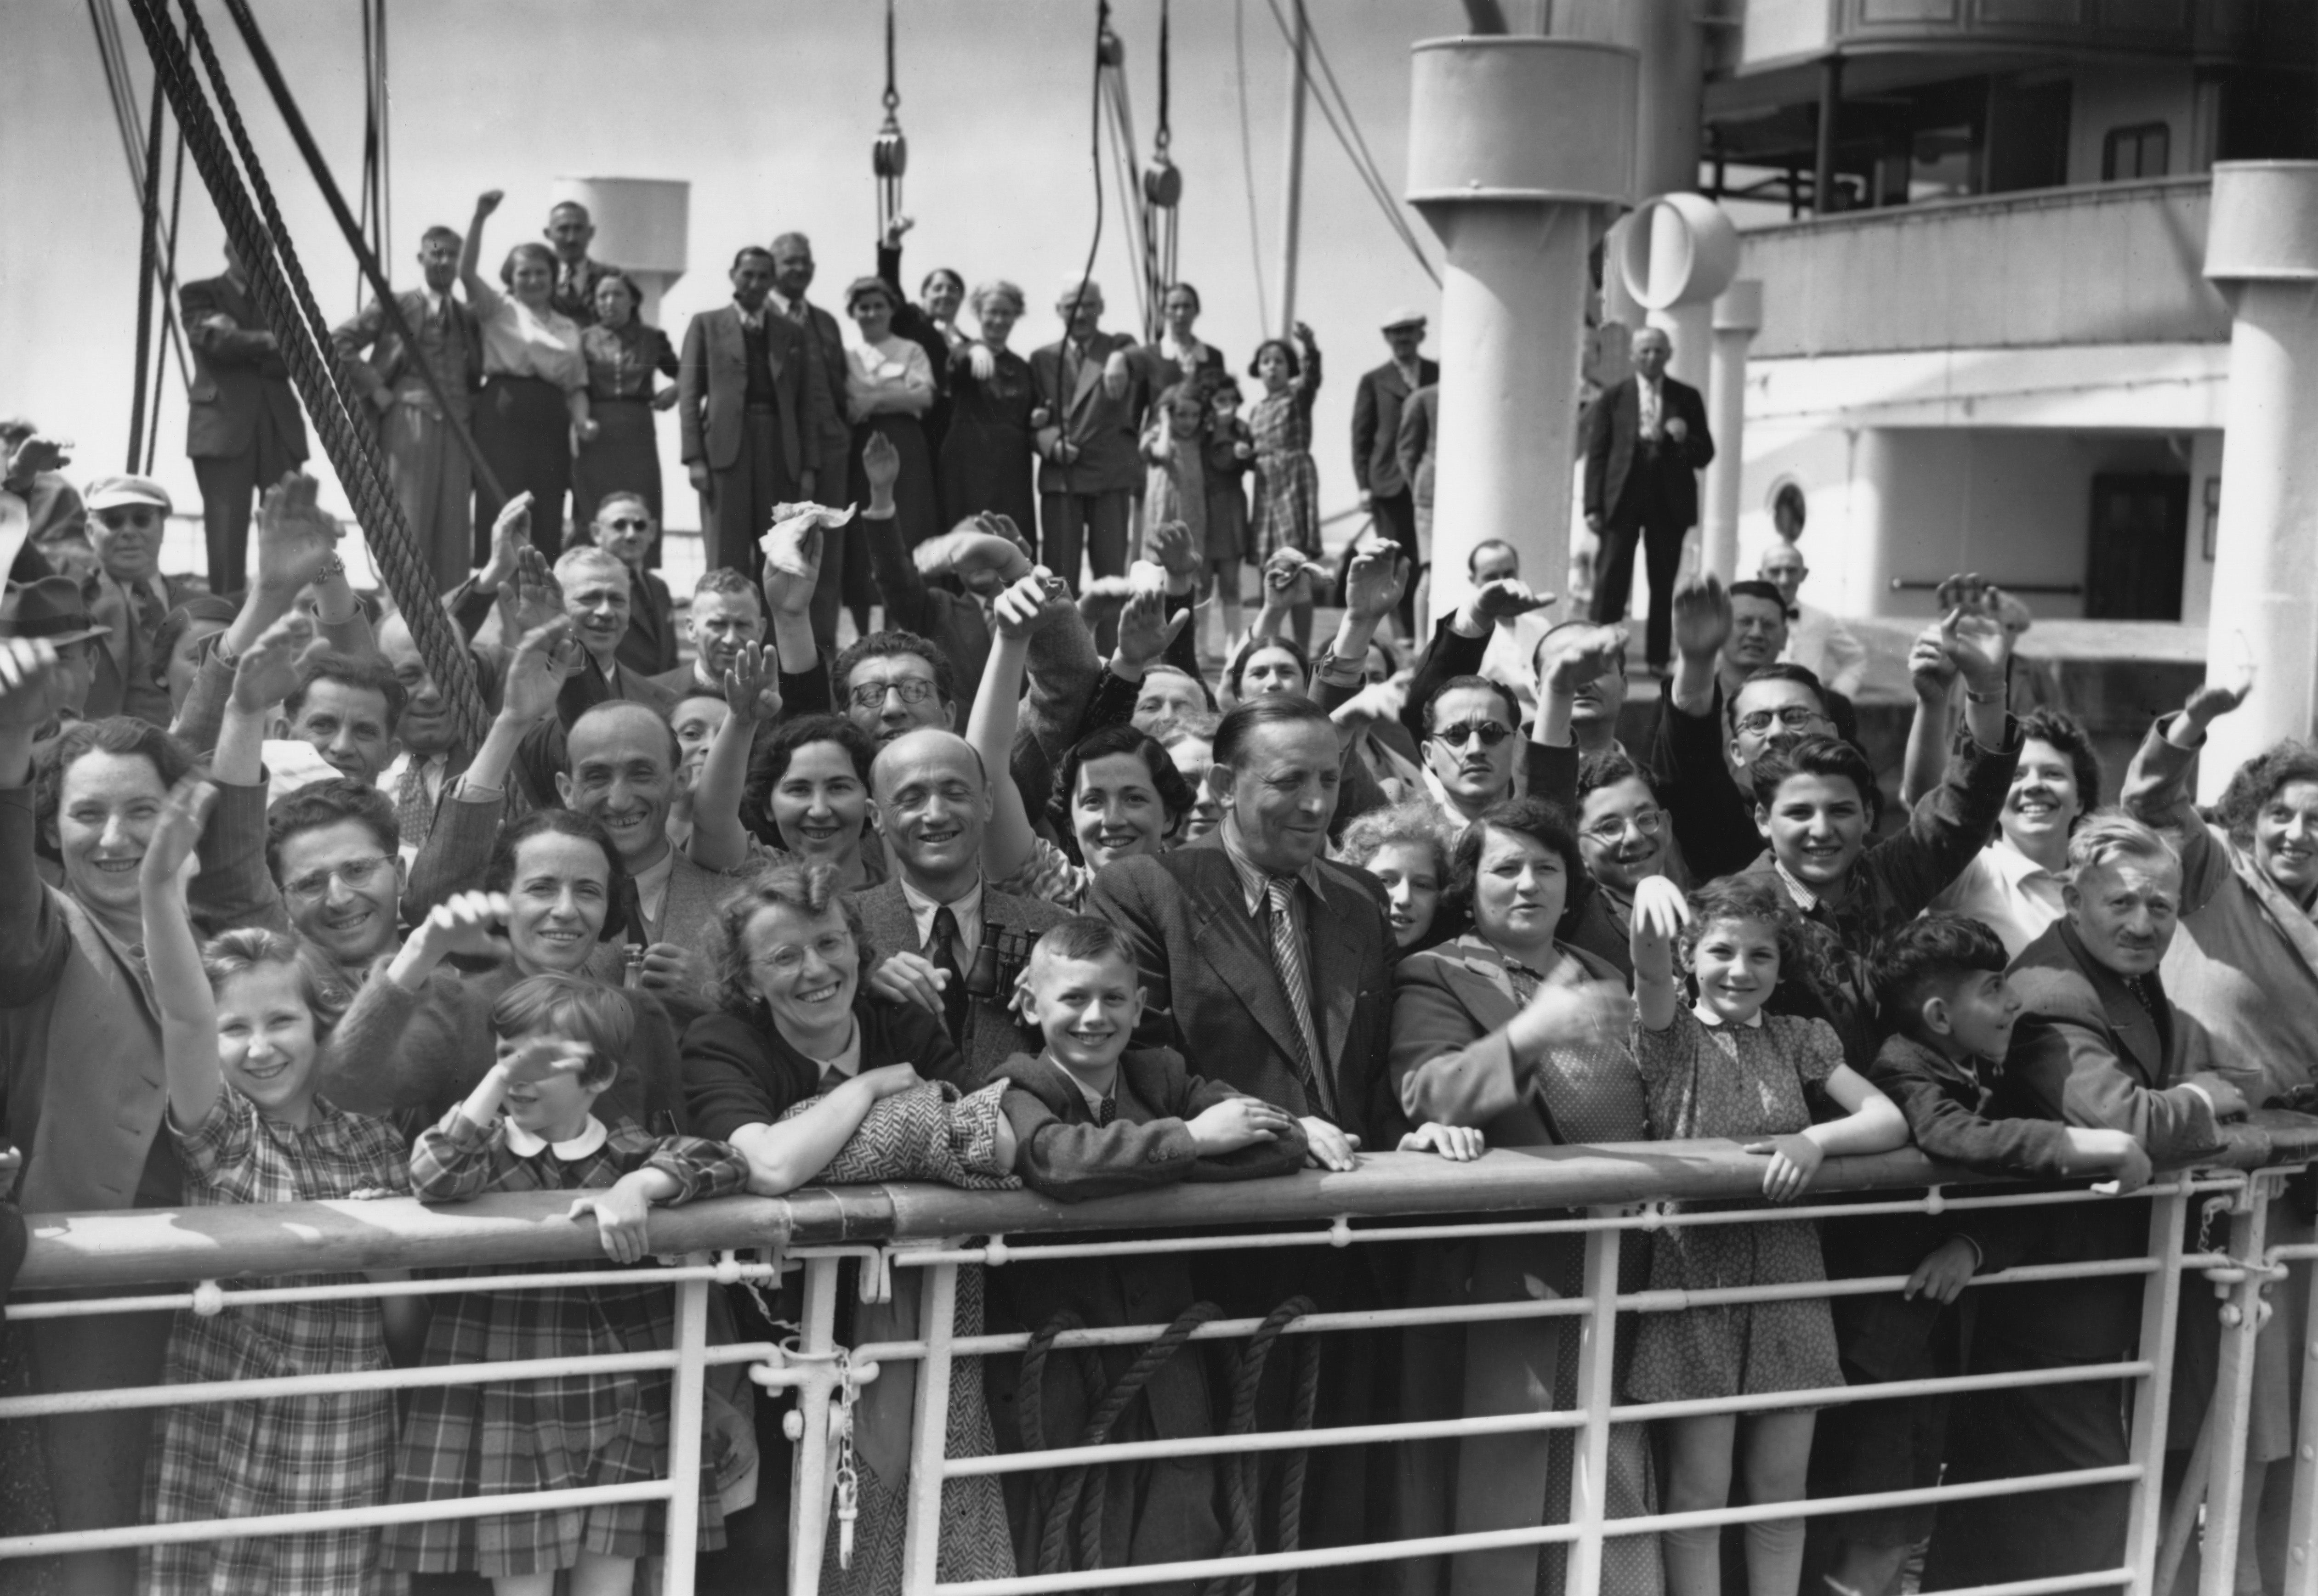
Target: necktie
1106	1113
943	951
1287	962
413	812
797	311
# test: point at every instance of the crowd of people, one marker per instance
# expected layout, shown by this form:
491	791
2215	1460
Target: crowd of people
1058	876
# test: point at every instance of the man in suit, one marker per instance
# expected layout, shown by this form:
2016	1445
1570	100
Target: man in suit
1270	965
1376	406
1645	442
624	528
424	460
1088	401
726	612
599	598
931	802
570	230
2098	1044
844	568
745	416
242	427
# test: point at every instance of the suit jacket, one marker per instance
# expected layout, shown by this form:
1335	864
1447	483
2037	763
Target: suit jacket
1613	446
1213	996
1106	430
711	387
237	377
742	1071
825	393
649	645
1420	426
451	344
1451	1062
577	301
1375	426
992	1035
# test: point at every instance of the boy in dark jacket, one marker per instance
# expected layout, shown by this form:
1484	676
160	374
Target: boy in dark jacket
1094	1119
1939	987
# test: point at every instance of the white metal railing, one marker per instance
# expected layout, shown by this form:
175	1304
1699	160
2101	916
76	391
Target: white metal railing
108	1263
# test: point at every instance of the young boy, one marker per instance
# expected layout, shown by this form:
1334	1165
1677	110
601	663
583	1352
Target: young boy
1093	1118
1940	989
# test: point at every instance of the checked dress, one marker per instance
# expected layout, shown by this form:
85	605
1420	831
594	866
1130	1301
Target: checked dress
555	1434
289	1455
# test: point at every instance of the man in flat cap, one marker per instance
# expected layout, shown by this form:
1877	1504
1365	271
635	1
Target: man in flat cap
1376	440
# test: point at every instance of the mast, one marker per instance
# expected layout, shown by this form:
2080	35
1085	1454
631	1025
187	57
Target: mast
1292	188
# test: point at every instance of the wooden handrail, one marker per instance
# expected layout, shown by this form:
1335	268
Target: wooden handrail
152	1247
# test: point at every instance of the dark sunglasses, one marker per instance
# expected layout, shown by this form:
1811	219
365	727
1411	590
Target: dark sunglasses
630	524
1490	732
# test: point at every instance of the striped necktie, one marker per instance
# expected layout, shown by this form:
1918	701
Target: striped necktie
1287	962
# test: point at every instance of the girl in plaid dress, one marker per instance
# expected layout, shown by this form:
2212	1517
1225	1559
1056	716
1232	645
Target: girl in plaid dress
560	1040
240	1034
1285	509
1723	1067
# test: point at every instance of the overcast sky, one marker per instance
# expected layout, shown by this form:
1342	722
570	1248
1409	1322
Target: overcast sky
769	108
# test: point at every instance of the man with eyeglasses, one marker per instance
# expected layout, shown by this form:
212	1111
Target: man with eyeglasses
130	596
335	852
624	528
1473	737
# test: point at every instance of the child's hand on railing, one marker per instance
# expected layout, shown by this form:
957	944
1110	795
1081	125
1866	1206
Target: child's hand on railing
1794	1159
620	1214
1946	1270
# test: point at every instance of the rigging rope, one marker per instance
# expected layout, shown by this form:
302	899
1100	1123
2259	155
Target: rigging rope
1247	161
169	333
145	266
353	450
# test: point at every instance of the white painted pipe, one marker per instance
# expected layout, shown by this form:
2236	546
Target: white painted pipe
1737	317
1520	152
2262	247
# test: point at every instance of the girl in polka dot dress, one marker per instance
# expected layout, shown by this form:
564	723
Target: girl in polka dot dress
1719	1066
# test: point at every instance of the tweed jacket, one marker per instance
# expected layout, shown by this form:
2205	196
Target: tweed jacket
993	1034
711	385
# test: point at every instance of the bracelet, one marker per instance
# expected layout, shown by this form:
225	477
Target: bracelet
1997	697
331	565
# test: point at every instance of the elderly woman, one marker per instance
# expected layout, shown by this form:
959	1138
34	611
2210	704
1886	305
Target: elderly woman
1506	1030
622	352
889	387
985	458
418	1036
84	1097
2242	973
535	399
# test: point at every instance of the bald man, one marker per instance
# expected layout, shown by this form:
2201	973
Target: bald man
930	801
1645	442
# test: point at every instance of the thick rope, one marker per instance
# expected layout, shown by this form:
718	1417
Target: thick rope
1054	1548
148	264
351	449
1243	1487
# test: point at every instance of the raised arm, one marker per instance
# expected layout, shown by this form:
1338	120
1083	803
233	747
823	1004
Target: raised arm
752	694
1661	912
787	1154
189	1035
480	294
909	602
34	942
1932	676
1008	841
1377	576
792	553
2157	786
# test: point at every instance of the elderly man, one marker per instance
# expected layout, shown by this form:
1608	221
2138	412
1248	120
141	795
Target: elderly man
1644	441
1386	489
242	427
569	232
727	613
1088	400
430	755
930	801
424	460
1816	640
2098	1044
127	517
600	601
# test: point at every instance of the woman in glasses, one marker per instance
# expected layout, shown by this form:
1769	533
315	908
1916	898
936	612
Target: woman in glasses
622	351
1624	837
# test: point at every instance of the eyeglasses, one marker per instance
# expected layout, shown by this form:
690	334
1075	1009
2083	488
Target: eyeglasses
142	517
1490	732
354	874
629	524
872	695
1794	717
1610	828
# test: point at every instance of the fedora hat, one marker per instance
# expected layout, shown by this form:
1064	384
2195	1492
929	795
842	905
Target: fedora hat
50	609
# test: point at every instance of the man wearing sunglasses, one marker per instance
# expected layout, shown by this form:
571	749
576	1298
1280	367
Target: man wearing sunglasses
130	596
1472	737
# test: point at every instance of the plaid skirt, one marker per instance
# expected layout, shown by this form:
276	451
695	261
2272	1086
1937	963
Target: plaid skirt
557	1434
303	1454
1286	511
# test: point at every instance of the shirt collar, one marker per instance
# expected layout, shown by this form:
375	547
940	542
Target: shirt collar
966	909
846	1061
1255	881
1805	898
524	1144
652	879
1708	1017
787	307
2010	863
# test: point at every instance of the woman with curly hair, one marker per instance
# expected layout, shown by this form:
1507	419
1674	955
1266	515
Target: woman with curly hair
1404	849
1506	1031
